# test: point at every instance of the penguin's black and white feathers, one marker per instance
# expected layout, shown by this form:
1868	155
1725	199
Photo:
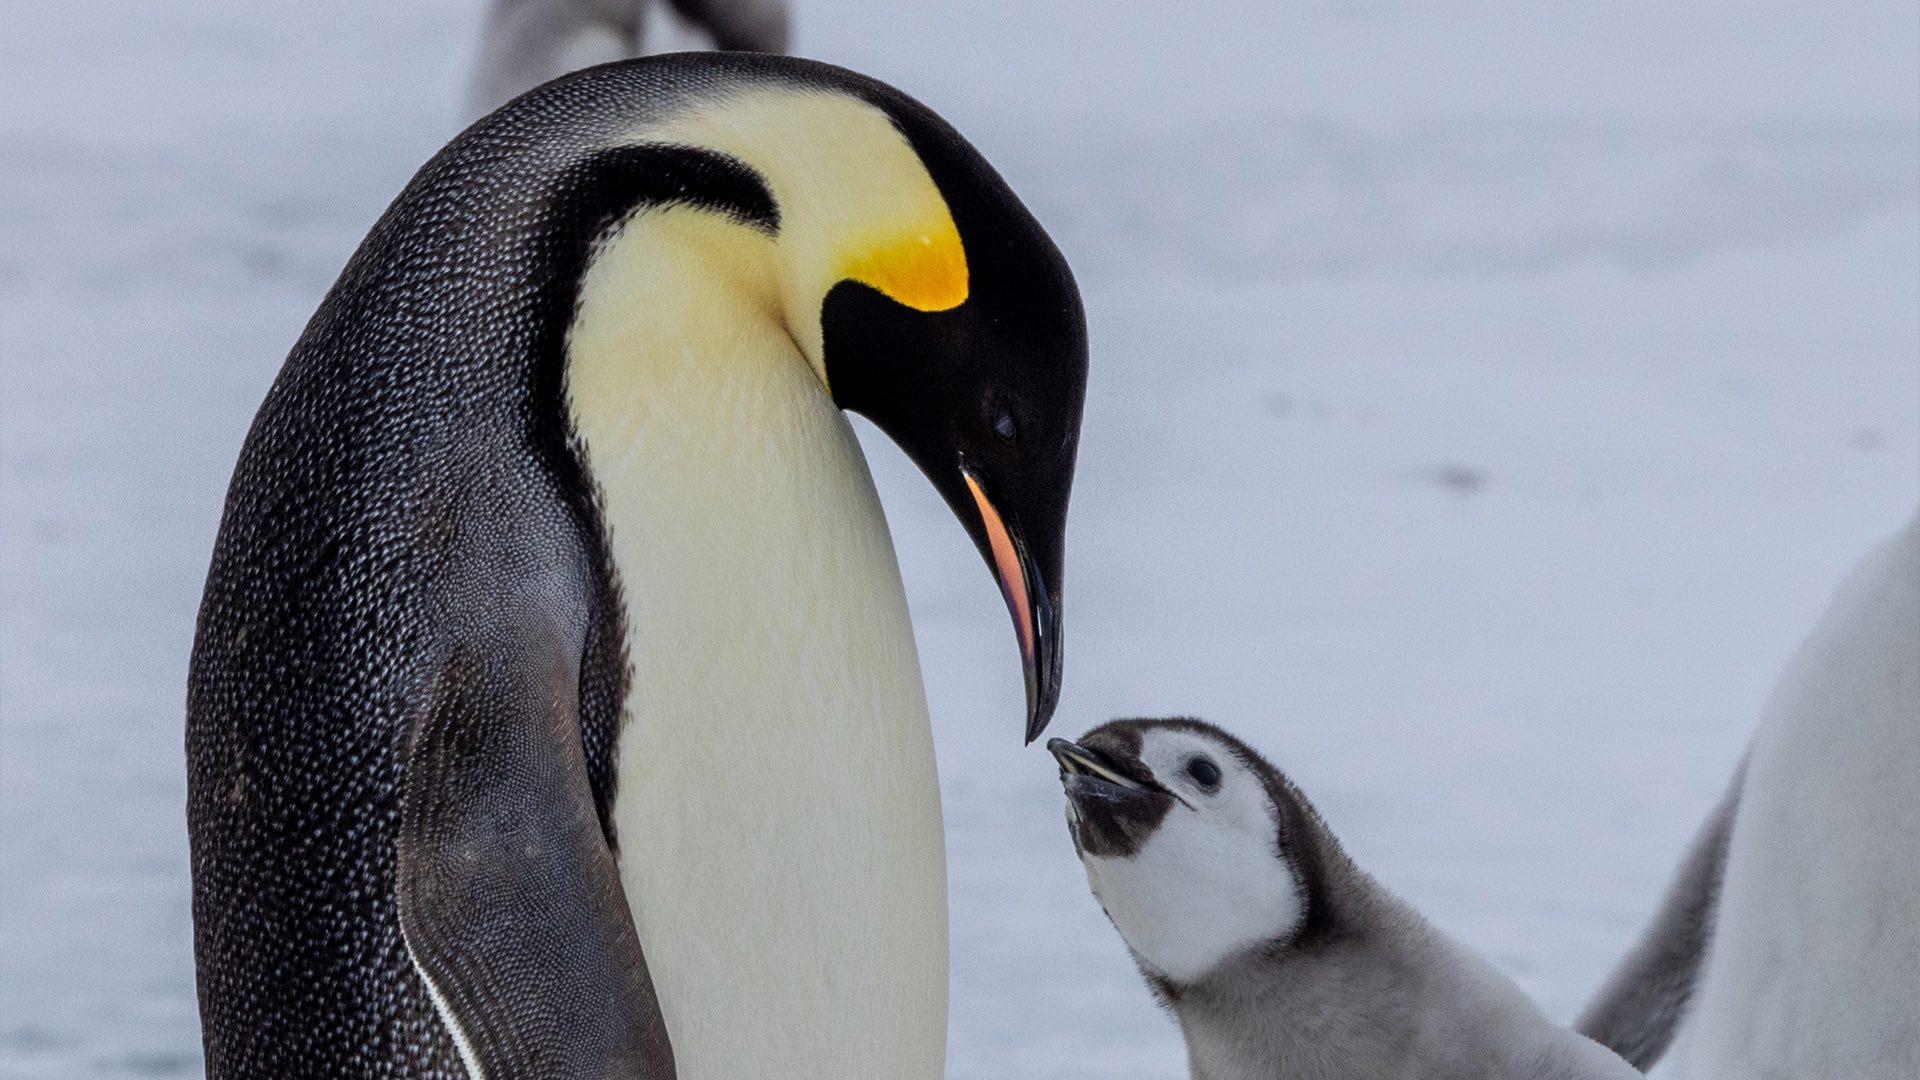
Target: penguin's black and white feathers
415	668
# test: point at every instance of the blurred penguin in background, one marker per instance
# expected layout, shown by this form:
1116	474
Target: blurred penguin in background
527	42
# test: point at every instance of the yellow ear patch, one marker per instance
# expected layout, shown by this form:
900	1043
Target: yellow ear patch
926	271
856	201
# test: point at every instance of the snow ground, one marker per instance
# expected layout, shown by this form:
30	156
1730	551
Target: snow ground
1485	400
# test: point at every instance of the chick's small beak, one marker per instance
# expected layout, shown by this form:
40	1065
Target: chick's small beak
1077	760
1036	621
1071	756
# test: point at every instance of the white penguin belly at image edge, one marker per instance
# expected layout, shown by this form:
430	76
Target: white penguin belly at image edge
555	612
1789	944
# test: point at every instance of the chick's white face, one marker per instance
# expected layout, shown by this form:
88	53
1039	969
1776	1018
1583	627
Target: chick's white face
1209	881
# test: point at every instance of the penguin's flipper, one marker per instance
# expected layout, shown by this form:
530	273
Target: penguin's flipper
1638	1011
509	897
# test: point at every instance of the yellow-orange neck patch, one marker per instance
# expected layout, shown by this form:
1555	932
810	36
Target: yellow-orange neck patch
856	202
926	271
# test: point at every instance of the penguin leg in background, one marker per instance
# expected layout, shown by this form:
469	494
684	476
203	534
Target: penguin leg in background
509	897
1639	1009
527	42
750	25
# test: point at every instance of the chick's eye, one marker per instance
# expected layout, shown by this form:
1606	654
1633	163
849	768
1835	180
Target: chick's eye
1003	426
1204	772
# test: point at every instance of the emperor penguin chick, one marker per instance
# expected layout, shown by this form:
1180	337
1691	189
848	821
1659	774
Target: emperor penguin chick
1278	956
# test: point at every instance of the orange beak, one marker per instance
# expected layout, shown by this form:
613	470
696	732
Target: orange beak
1006	566
1036	619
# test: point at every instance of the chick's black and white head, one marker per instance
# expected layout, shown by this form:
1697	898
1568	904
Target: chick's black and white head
1191	842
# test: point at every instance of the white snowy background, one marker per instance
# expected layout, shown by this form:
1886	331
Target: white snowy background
1485	398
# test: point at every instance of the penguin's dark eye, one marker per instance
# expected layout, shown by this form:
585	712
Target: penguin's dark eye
1004	427
1204	772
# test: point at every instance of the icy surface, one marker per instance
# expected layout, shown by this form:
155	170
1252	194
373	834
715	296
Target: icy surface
1485	400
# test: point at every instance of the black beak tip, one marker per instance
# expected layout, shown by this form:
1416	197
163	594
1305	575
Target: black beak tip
1043	671
1037	721
1043	693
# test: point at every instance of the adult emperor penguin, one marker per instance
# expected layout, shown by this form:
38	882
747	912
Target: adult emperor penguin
554	709
1282	959
1789	942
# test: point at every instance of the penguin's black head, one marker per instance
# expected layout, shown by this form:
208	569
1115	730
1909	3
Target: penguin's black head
787	200
979	375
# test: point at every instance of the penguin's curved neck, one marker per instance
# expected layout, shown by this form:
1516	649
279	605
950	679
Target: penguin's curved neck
776	805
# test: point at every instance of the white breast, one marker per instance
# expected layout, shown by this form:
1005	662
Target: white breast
777	808
1814	969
